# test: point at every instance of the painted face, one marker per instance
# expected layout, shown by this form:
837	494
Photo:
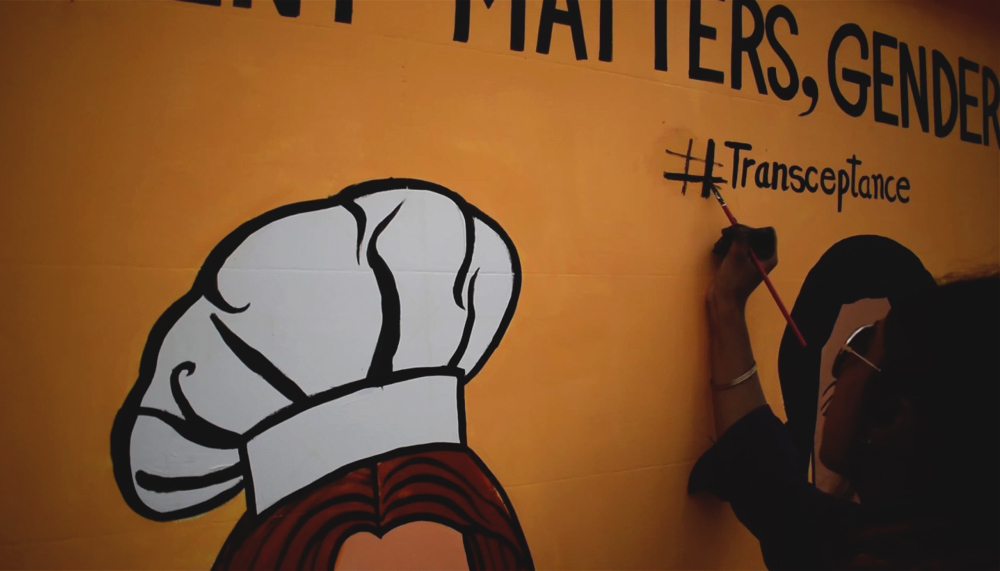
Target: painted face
851	318
418	545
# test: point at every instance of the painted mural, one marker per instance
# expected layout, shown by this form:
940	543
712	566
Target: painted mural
318	364
208	360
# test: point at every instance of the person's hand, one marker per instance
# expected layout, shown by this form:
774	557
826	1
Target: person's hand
737	276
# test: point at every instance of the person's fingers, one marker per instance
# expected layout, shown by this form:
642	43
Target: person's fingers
774	240
769	264
765	246
735	231
721	247
740	246
729	235
763	242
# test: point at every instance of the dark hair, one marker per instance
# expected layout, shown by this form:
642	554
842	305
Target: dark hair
942	352
859	267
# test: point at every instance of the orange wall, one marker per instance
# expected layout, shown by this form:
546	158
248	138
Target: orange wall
135	135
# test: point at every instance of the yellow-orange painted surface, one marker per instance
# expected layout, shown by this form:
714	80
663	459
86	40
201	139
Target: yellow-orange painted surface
135	135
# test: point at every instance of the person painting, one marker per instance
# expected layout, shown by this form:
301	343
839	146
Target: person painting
912	424
853	284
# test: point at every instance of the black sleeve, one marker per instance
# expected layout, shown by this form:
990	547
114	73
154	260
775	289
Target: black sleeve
752	467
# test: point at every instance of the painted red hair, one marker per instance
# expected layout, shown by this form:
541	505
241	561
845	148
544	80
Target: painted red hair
447	485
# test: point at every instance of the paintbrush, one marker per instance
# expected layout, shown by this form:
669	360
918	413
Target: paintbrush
760	268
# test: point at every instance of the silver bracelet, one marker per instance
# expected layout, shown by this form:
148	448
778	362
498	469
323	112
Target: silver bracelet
735	381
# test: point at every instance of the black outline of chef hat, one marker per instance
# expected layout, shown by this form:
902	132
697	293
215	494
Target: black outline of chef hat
206	285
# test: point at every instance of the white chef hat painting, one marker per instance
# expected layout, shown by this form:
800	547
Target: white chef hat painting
316	336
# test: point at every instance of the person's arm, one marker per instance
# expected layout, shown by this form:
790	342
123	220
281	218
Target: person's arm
730	351
753	464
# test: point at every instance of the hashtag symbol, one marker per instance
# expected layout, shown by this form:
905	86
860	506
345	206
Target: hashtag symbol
707	180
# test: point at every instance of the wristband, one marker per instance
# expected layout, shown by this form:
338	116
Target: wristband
735	381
